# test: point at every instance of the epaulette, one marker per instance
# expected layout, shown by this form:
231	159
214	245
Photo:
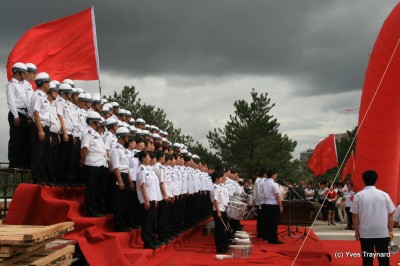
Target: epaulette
142	168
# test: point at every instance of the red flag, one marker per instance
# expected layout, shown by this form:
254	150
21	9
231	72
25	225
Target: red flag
64	48
348	169
324	156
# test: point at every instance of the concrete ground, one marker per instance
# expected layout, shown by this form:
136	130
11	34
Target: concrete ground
338	231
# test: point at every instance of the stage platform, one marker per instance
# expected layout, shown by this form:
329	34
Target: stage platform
37	205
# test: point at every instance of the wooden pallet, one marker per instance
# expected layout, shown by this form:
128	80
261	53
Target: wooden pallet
27	235
60	257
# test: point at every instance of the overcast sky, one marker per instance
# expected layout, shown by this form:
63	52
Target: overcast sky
195	58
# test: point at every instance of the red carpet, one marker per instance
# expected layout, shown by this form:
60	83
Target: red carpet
36	205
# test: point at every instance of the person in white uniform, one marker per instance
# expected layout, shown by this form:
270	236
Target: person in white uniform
40	133
373	220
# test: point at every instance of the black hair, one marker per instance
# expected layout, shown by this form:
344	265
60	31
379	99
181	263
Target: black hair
216	174
168	157
370	177
271	172
187	158
157	145
141	155
138	139
158	154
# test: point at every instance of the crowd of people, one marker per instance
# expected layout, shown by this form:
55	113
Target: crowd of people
129	168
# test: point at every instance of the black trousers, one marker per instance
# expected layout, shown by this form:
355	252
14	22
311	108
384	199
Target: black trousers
349	217
121	201
220	235
163	214
135	209
381	250
76	172
271	215
17	154
64	160
53	153
40	154
261	229
94	193
149	224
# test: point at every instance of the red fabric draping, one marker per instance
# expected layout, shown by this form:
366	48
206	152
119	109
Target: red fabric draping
36	205
378	139
348	169
324	156
64	48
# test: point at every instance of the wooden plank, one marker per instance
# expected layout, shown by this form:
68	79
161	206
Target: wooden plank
21	256
8	251
47	257
28	235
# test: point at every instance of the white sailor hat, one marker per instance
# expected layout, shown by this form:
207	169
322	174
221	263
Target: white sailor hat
176	145
93	116
103	122
105	109
122	131
104	101
139	131
64	88
82	96
70	82
42	77
195	156
132	128
31	67
132	121
56	82
53	85
145	132
120	124
156	129
19	67
115	105
80	90
189	155
121	111
156	136
111	122
164	140
75	91
109	106
165	133
96	98
140	121
88	97
128	113
147	126
184	151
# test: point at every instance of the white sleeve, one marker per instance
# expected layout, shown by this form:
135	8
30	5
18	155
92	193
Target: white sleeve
10	99
396	216
115	158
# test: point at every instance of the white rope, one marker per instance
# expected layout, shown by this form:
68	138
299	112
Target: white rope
348	151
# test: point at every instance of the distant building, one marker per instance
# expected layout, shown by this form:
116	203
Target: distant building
305	155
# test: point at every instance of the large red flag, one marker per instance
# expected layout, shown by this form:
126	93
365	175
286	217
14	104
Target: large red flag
324	156
348	169
64	48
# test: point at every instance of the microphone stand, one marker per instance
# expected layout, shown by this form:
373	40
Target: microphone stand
290	233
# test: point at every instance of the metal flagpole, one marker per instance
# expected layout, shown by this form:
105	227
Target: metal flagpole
96	48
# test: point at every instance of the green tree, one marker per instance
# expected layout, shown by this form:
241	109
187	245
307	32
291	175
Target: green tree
251	138
129	100
207	157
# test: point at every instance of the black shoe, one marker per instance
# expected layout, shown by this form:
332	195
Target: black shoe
222	251
165	240
94	213
275	242
150	246
122	229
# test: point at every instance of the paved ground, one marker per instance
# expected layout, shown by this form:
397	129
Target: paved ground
338	232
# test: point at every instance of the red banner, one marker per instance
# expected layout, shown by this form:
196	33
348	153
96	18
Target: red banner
324	156
64	48
348	169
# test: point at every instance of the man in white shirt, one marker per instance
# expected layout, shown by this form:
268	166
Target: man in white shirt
373	220
17	117
40	137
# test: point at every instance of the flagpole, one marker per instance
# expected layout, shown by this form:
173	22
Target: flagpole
96	48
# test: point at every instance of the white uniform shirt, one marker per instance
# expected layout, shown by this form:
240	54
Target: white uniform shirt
185	173
63	109
396	215
97	155
221	195
158	188
109	140
196	180
150	182
372	205
178	173
270	188
348	197
40	103
309	191
82	114
119	159
16	97
77	132
133	164
29	94
55	125
168	181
